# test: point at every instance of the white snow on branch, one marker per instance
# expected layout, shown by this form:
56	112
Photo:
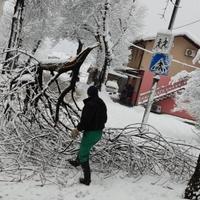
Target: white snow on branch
180	76
196	58
27	77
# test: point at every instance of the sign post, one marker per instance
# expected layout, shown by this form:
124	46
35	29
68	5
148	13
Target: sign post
150	101
159	65
163	42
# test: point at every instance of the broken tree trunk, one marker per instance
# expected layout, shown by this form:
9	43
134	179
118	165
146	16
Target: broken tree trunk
60	68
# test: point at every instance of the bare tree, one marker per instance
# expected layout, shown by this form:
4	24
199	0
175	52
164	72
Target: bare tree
15	32
109	22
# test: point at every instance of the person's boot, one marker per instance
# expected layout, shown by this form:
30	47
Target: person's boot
74	163
87	173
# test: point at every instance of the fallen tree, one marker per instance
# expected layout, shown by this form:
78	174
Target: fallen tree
145	151
32	110
36	120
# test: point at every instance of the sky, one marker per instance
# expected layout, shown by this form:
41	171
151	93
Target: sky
187	13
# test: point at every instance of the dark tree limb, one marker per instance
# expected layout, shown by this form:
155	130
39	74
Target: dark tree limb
75	71
16	28
75	101
60	68
80	46
192	190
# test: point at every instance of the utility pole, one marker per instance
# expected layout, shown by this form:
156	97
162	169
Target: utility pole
156	77
171	23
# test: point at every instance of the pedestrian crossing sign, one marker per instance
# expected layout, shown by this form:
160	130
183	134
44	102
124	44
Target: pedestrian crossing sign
160	63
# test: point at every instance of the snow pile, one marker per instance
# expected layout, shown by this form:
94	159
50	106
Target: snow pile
112	84
112	87
196	58
117	187
157	188
180	76
62	51
170	126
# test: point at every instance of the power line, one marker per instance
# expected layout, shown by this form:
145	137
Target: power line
174	60
196	21
174	12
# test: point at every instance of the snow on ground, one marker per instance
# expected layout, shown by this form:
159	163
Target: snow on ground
118	186
115	187
169	126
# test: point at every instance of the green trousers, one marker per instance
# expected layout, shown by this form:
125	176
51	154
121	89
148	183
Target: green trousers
89	139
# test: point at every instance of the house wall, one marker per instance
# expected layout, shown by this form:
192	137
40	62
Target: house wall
178	52
167	107
181	43
168	104
148	79
147	56
136	56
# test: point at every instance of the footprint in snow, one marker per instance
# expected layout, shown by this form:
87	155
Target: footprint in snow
82	194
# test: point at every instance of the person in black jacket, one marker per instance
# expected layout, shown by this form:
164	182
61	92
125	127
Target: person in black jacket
92	122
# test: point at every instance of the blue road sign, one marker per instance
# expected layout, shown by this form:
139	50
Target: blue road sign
160	63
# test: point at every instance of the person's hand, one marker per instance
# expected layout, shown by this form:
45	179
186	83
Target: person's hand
74	133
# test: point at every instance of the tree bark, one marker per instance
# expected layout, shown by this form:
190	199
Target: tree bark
192	190
16	28
107	58
75	67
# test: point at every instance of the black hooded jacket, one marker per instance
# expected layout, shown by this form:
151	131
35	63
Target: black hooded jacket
94	114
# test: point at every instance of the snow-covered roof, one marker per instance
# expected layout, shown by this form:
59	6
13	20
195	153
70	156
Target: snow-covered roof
188	35
117	74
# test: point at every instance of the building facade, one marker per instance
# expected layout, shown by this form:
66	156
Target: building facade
184	49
